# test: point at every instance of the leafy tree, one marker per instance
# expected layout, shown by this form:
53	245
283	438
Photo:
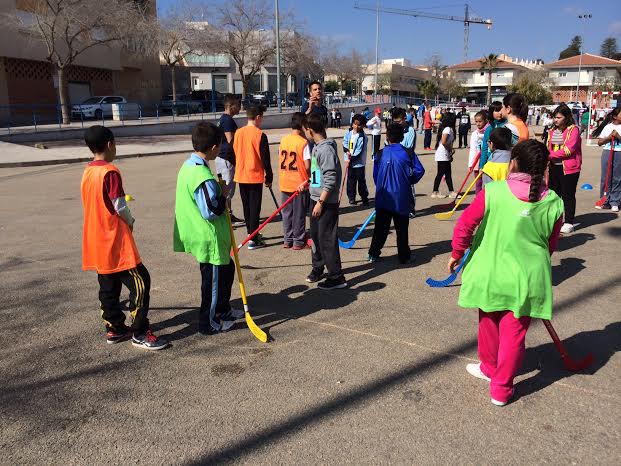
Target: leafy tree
575	46
489	65
533	85
453	88
609	49
428	89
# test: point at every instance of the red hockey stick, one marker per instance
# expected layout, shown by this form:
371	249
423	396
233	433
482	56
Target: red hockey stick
451	204
568	362
343	183
604	199
269	219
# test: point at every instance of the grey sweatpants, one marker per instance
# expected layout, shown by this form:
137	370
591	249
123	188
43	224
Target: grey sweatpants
614	184
294	218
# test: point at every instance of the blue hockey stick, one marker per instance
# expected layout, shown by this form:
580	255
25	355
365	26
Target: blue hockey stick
451	278
350	244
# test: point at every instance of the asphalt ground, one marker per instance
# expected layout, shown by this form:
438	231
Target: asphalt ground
373	374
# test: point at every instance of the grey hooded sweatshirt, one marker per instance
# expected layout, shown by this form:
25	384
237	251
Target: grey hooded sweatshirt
326	173
498	156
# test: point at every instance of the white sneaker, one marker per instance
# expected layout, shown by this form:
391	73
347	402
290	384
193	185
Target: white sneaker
452	195
439	195
499	403
614	208
567	228
434	195
475	370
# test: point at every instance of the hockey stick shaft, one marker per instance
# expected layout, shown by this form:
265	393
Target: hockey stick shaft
447	215
254	328
269	219
274	197
343	183
475	163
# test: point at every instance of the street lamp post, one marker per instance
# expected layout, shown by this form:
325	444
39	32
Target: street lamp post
376	50
584	17
278	60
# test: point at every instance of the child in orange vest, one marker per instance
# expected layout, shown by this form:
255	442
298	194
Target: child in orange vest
252	169
295	159
108	245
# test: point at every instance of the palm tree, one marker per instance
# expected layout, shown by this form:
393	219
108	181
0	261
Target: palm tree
489	64
428	88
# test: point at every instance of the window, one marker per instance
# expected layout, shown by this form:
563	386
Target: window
482	73
562	74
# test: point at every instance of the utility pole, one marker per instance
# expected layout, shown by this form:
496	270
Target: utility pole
376	49
583	17
278	98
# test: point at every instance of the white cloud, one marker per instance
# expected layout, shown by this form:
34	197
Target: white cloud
615	27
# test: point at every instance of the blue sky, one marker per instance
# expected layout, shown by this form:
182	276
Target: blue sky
523	29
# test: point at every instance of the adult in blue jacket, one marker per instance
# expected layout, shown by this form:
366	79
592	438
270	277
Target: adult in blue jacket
393	175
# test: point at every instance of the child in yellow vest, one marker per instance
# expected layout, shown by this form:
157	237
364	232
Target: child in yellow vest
497	166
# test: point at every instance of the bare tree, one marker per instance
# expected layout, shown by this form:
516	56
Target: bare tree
177	38
299	57
341	66
245	34
69	28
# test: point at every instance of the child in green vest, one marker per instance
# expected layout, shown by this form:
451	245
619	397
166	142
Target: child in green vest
509	273
201	229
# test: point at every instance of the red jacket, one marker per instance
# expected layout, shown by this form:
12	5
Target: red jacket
570	152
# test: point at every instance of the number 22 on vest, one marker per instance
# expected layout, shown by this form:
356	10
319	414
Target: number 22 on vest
292	165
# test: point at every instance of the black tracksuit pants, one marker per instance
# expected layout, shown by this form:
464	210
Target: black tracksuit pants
251	197
427	139
463	136
380	233
565	187
138	281
324	230
356	178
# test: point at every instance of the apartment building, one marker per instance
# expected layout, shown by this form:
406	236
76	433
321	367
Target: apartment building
26	78
575	77
474	79
394	75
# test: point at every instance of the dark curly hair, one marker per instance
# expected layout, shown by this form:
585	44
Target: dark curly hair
532	158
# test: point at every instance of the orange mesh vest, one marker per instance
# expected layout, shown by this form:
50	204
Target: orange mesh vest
291	158
107	242
248	165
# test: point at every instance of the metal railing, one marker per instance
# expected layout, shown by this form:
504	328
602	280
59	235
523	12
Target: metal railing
25	118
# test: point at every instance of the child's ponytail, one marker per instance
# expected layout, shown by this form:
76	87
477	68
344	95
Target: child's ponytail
518	104
532	158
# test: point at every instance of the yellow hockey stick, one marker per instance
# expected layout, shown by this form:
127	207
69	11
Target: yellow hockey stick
448	215
254	328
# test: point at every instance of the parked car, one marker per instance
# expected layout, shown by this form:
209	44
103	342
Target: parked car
97	107
205	98
264	98
573	105
183	104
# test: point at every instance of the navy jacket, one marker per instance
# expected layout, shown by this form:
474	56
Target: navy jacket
392	173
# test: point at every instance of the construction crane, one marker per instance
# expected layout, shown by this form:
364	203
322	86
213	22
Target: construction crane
466	19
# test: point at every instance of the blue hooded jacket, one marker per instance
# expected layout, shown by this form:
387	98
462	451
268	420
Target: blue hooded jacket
392	173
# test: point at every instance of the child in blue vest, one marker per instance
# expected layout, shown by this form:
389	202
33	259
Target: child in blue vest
355	148
393	176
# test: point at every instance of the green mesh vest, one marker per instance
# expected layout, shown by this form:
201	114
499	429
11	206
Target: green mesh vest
208	241
509	266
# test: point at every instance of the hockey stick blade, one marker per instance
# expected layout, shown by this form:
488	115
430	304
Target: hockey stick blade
254	328
451	278
448	215
569	363
349	244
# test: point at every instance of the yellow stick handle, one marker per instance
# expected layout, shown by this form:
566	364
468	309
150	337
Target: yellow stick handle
467	191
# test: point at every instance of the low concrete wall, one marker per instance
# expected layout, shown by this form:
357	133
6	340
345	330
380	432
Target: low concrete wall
180	126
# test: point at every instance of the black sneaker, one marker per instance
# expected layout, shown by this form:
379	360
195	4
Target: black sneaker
149	341
315	276
333	283
114	336
352	202
237	222
365	203
257	243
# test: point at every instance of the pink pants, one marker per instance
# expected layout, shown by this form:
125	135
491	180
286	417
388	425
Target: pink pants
501	349
479	184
